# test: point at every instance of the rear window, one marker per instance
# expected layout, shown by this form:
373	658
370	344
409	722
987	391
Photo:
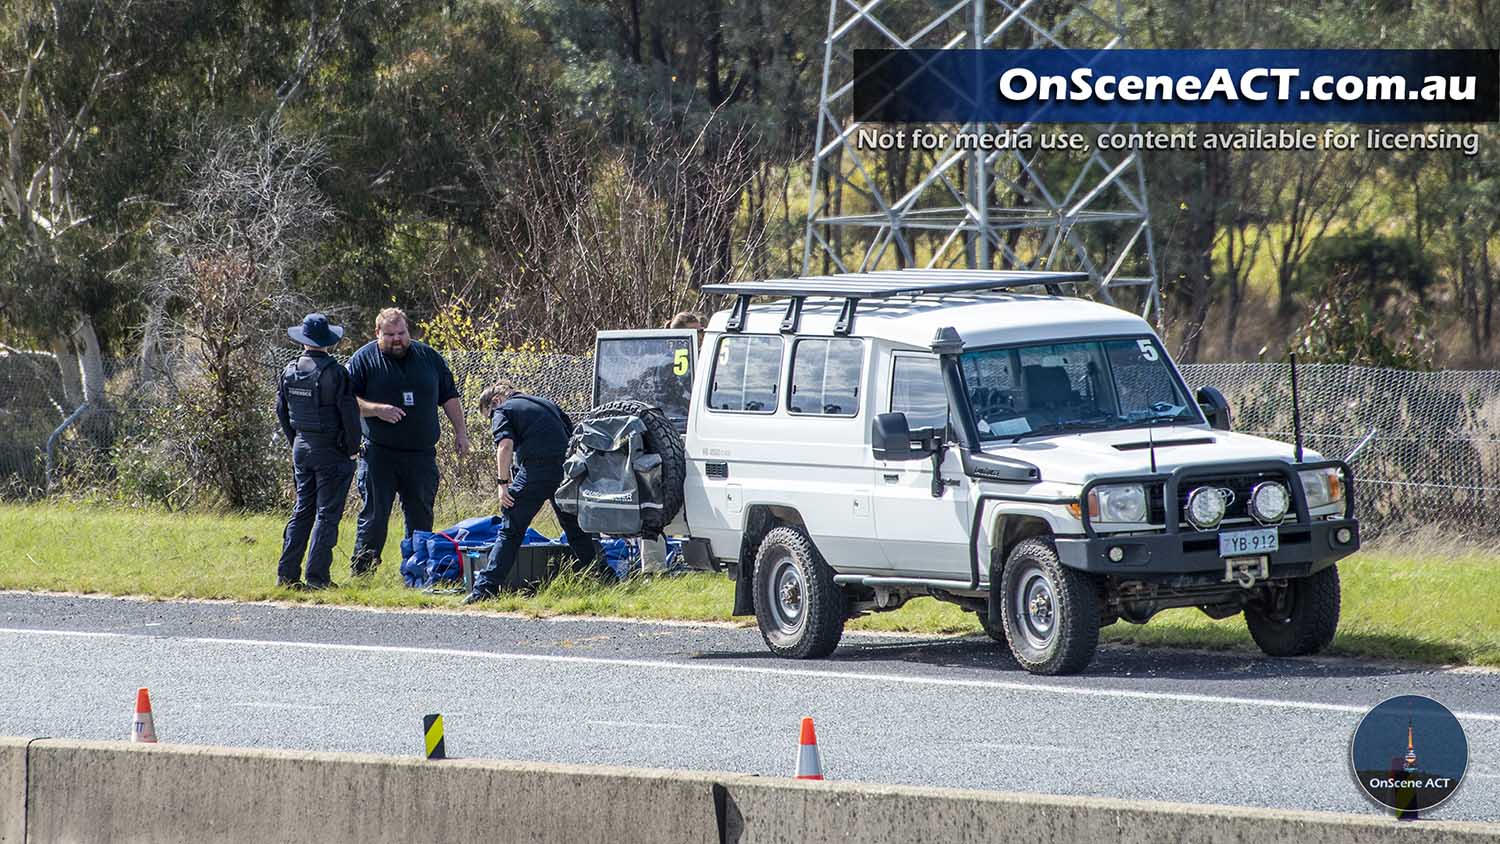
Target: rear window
655	370
747	373
825	377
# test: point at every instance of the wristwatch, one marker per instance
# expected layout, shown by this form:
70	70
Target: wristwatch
502	481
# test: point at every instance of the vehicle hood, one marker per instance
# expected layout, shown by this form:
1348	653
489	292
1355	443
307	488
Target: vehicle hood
1085	456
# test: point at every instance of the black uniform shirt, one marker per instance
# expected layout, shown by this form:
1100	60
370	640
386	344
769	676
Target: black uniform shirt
334	388
539	428
417	383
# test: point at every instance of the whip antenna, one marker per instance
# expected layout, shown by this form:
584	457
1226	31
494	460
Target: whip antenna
1296	410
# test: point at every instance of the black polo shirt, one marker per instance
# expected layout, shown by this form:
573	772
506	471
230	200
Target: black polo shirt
418	383
539	428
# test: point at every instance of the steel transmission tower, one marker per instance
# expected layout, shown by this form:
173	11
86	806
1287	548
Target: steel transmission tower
1003	208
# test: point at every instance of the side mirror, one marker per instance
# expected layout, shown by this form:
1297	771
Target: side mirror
892	438
1214	406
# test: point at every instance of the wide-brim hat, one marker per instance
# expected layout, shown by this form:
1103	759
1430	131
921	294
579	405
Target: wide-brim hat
315	331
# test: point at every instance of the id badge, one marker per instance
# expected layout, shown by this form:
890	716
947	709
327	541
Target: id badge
409	398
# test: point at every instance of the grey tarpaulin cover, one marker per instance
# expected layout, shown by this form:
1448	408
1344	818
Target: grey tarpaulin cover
608	477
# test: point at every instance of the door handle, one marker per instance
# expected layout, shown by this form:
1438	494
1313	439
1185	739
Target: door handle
891	479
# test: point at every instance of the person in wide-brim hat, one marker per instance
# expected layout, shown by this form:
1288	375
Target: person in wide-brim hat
319	416
316	331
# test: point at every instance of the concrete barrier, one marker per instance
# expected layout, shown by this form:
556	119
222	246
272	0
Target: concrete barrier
12	789
107	791
787	812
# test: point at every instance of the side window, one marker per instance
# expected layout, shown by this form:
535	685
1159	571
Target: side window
747	372
825	377
917	390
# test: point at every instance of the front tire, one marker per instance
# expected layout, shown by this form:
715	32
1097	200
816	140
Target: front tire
800	609
1298	619
1051	612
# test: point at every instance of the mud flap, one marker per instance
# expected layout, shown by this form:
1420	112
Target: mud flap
744	588
993	604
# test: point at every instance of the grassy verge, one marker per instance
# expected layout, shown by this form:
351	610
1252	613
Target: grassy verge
1415	601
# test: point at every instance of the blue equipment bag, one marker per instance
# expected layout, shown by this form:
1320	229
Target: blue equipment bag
432	558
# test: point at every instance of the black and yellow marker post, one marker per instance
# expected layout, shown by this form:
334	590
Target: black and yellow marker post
432	728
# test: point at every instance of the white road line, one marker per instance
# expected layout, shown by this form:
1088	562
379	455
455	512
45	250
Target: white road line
821	674
1042	748
261	704
641	725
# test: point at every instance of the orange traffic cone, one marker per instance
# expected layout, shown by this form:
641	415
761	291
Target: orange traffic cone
809	762
142	729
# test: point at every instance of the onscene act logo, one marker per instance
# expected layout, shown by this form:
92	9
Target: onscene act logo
1409	754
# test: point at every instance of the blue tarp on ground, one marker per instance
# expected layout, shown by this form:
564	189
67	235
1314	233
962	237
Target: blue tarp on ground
429	558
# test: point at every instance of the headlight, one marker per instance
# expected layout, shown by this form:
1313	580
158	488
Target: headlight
1123	503
1322	487
1268	502
1205	507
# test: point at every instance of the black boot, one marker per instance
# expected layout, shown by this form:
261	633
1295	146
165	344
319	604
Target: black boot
364	564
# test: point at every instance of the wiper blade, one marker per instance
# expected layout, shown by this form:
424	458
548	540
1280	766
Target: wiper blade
1062	428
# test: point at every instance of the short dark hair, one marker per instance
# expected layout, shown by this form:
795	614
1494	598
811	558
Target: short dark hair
390	316
502	388
687	319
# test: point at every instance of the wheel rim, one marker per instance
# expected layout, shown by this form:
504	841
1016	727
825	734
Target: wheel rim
1036	609
788	595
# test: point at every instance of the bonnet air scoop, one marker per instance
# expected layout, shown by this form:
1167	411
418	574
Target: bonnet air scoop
1145	444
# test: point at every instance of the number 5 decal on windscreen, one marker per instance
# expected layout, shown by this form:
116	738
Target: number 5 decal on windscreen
1148	351
680	362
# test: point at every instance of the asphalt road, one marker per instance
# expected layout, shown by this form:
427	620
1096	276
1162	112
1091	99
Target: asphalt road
1151	724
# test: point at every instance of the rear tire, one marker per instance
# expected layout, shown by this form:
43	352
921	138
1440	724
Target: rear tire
800	609
1051	612
1301	620
661	437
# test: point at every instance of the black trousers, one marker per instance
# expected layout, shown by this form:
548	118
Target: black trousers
321	491
383	474
530	494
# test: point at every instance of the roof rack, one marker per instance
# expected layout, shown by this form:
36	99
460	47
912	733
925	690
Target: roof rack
852	287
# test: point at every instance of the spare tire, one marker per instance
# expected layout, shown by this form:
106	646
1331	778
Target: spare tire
661	438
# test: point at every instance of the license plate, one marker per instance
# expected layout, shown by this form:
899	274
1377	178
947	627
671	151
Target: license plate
1248	543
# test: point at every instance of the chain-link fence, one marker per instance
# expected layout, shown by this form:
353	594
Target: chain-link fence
1433	459
121	449
1431	440
31	407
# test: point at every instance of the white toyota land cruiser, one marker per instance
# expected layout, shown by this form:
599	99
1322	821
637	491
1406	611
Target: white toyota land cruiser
1037	459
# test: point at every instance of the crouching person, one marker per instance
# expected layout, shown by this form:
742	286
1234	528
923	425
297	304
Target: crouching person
531	439
320	418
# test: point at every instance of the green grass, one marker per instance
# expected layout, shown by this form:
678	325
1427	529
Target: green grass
1417	606
1416	601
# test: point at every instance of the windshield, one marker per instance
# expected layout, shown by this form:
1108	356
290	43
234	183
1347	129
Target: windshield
1081	386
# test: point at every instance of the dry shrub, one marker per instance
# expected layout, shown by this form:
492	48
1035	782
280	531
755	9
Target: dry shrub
589	237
